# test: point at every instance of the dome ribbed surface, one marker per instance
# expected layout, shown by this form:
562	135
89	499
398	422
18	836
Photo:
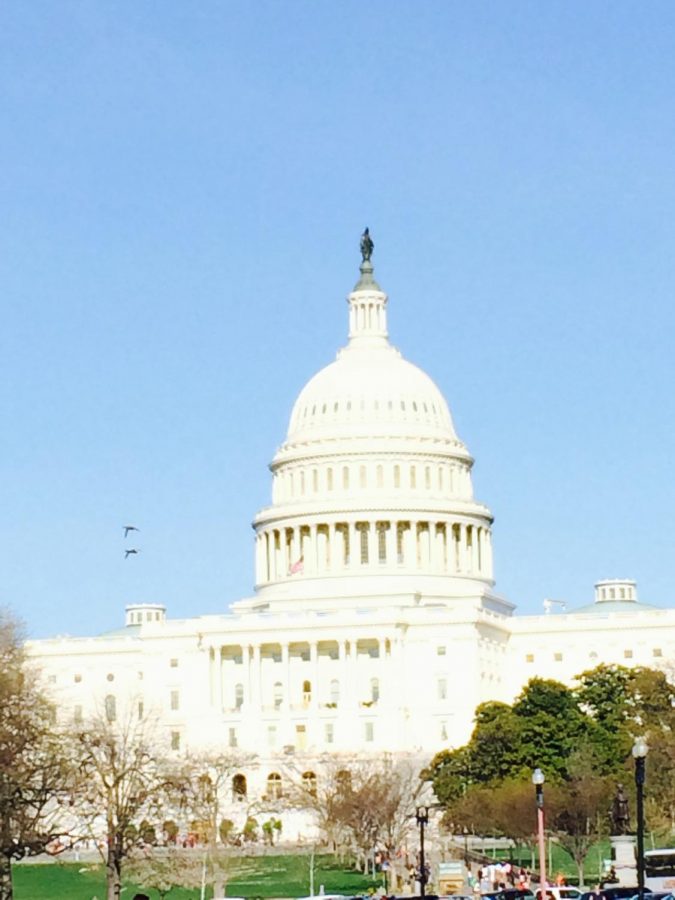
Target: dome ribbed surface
370	391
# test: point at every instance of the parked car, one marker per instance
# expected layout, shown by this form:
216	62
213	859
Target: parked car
510	894
564	892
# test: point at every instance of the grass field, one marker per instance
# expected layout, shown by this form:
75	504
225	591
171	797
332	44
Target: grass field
260	876
560	861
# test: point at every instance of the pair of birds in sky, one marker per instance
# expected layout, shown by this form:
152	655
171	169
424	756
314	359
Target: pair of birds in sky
132	551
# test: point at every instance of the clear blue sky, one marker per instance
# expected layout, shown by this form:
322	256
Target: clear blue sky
183	189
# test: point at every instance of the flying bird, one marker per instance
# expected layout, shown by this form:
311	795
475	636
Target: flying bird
128	528
128	553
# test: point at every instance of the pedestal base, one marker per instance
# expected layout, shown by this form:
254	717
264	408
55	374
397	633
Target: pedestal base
623	859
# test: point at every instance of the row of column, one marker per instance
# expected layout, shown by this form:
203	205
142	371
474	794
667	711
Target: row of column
257	695
444	547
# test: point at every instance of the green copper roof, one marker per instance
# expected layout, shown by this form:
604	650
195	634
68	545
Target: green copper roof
607	607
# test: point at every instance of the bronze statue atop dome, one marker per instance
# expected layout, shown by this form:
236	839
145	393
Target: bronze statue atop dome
367	246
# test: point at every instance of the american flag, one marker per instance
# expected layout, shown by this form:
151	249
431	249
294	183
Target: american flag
297	566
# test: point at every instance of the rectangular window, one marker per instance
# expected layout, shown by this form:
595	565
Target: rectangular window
329	732
52	679
141	709
370	731
657	651
173	663
557	657
627	654
175	740
442	688
271	735
77	714
77	679
232	739
440	651
175	700
301	737
444	731
529	657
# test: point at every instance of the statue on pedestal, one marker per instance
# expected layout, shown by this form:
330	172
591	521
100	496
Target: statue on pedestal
619	813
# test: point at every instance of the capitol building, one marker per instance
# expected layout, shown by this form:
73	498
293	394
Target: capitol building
374	626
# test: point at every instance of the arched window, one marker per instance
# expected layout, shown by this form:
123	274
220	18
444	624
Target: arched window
397	476
427	478
329	480
274	791
413	477
362	476
315	480
239	788
345	477
238	696
379	474
309	783
374	689
278	694
335	691
110	708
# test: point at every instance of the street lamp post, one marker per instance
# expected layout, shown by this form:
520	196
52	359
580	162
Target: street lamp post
640	749
538	779
422	819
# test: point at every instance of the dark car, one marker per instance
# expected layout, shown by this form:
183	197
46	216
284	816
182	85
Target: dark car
611	893
510	894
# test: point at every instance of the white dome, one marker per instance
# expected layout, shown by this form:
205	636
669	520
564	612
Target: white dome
370	391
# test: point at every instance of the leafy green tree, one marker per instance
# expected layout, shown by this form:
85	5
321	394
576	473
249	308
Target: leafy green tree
577	808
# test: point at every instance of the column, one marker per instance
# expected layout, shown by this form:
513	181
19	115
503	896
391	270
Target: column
471	548
439	547
462	549
255	698
488	554
276	535
410	546
354	546
345	693
286	673
286	561
425	545
220	695
390	539
337	550
321	551
311	552
314	667
372	544
294	547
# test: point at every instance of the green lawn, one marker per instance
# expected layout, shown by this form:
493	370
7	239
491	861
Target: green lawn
259	876
561	861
